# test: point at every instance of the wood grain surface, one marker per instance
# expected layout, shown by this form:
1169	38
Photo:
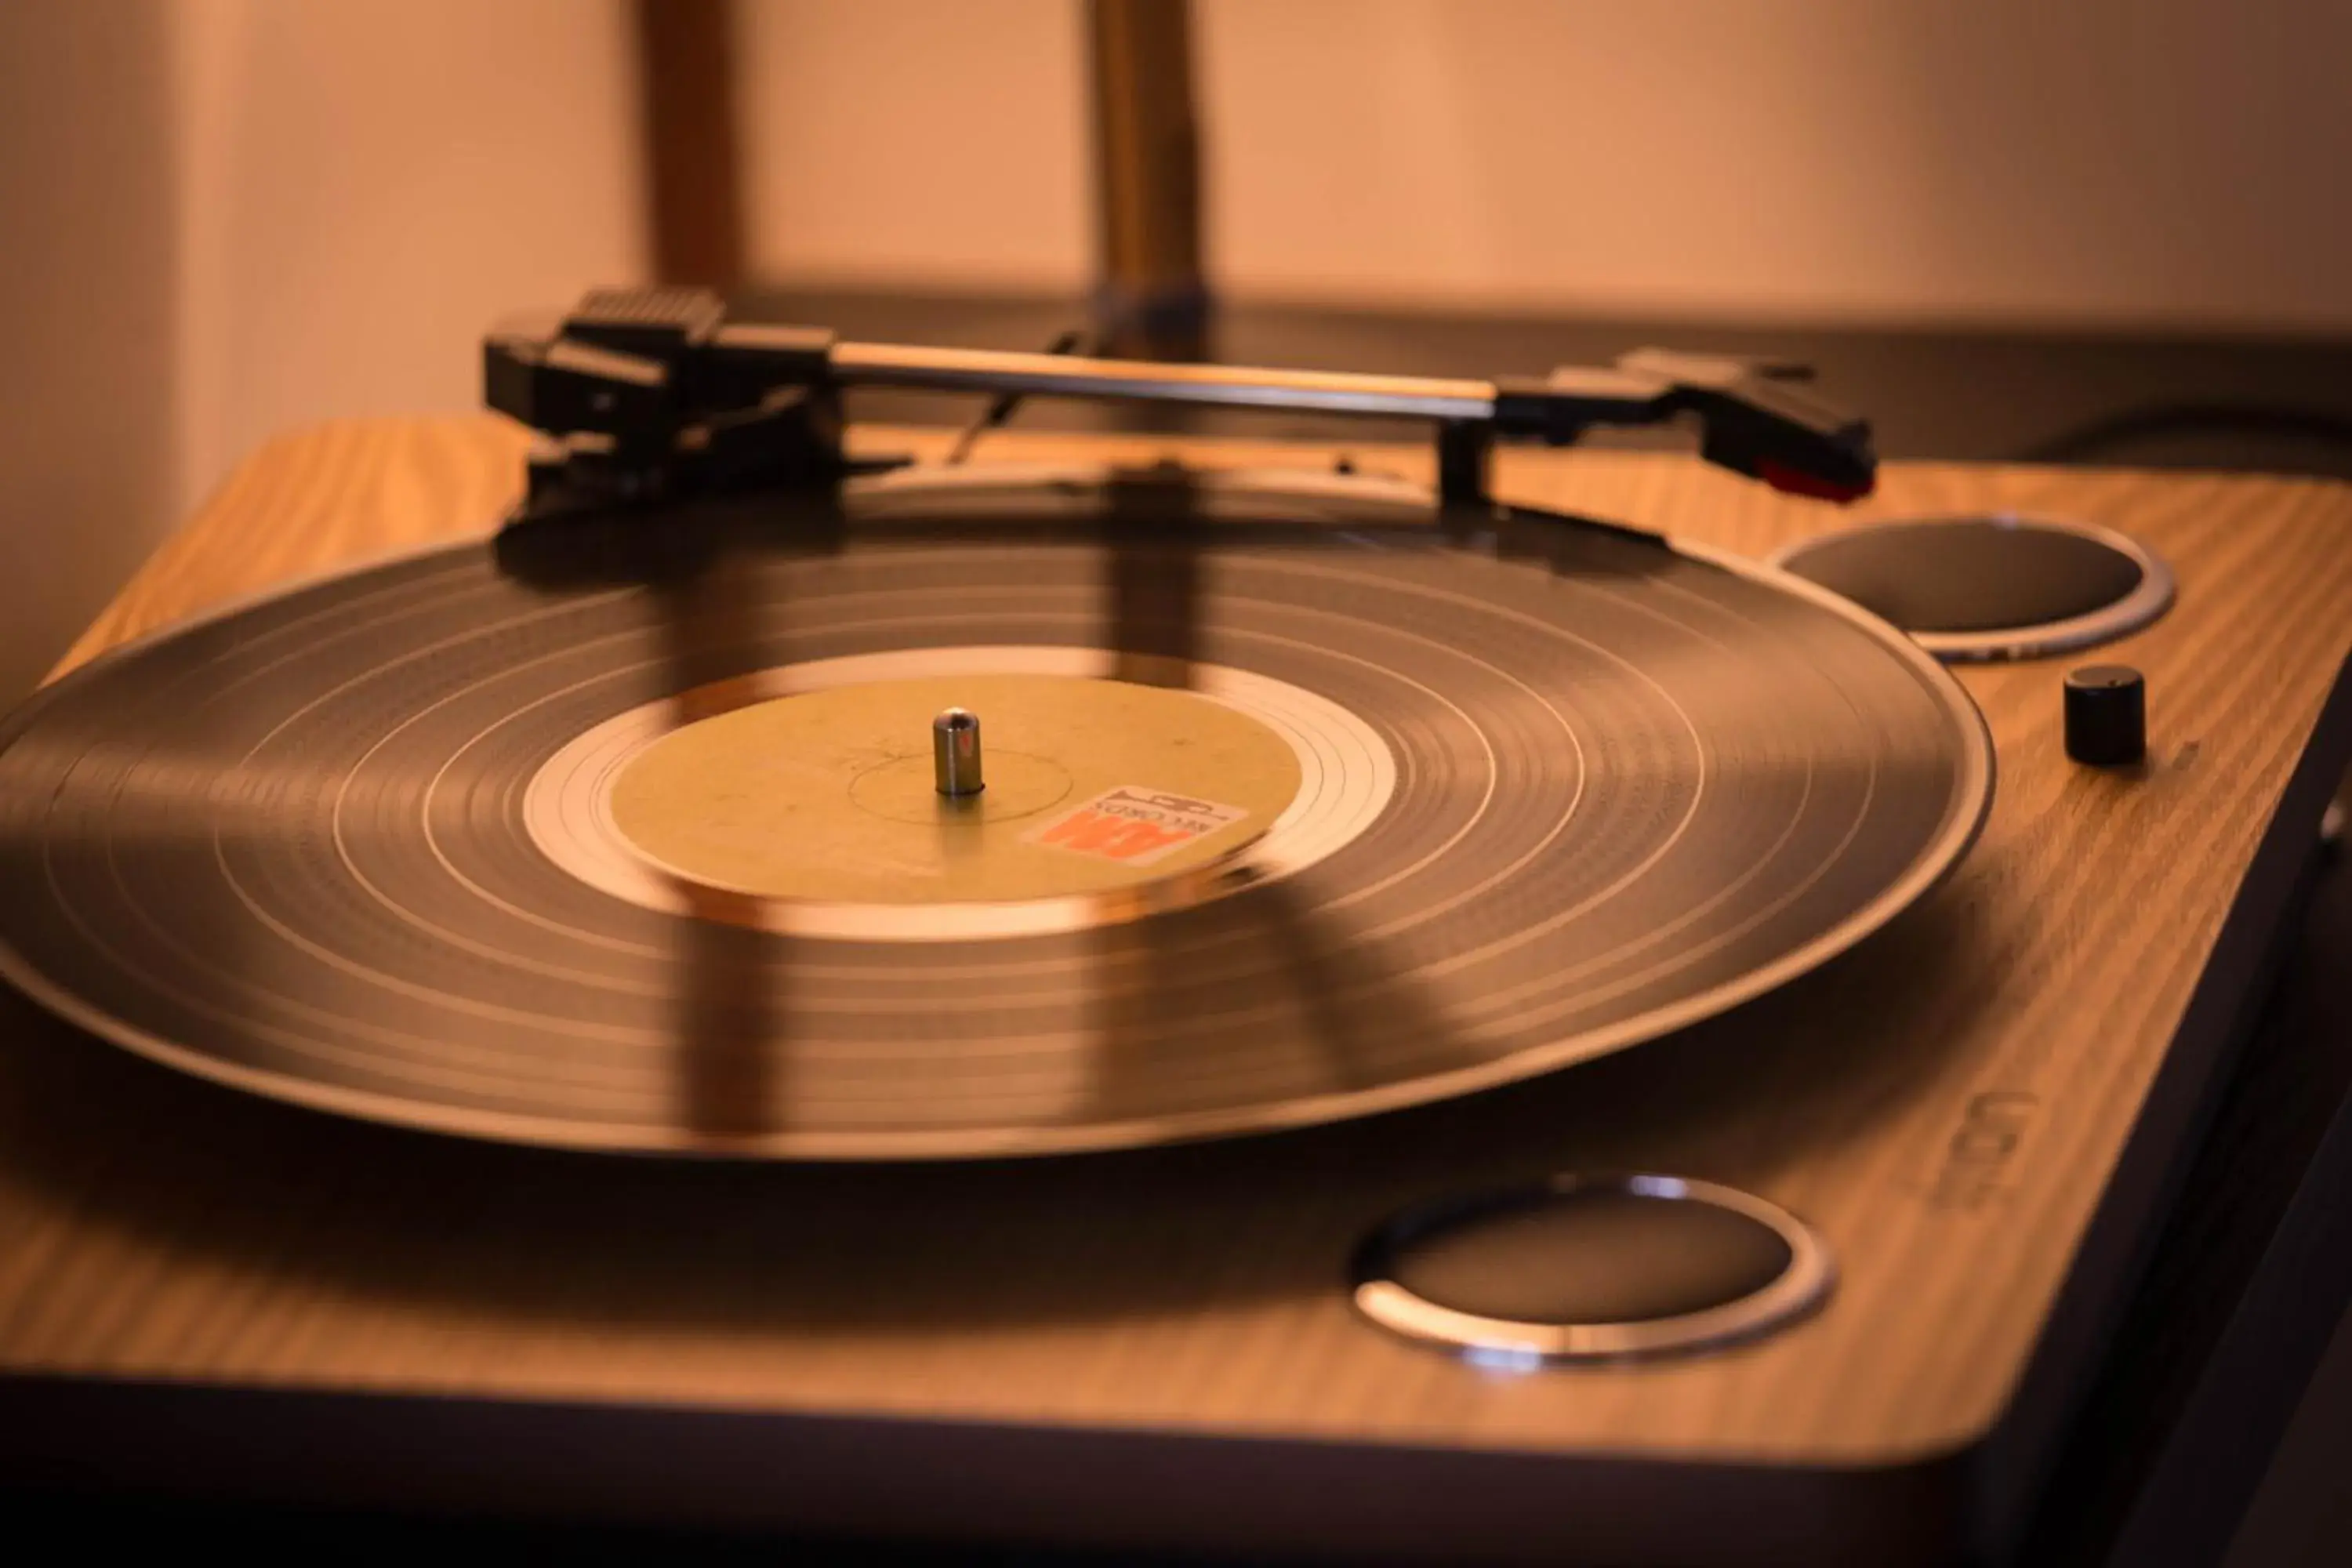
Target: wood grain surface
1949	1105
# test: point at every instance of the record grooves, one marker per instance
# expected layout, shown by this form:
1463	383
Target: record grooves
288	847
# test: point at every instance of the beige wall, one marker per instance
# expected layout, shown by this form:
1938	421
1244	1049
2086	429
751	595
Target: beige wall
228	218
923	142
366	184
87	314
2122	163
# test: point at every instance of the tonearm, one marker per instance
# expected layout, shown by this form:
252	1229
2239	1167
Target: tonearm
652	393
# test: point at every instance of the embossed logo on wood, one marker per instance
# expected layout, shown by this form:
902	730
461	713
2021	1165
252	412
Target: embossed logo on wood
1981	1150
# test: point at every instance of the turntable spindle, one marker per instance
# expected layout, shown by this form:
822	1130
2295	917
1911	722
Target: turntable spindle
955	753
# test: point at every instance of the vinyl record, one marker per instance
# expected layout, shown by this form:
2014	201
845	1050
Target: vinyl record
1301	805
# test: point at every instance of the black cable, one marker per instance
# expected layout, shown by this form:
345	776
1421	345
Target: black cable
1000	410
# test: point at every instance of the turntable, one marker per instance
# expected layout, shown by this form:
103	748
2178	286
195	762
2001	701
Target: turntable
1135	990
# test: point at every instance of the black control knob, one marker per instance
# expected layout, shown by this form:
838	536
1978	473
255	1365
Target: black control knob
2106	715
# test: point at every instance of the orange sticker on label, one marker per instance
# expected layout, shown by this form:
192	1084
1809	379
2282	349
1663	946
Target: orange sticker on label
1134	826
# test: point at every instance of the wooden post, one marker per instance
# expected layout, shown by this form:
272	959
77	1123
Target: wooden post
1151	301
693	191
